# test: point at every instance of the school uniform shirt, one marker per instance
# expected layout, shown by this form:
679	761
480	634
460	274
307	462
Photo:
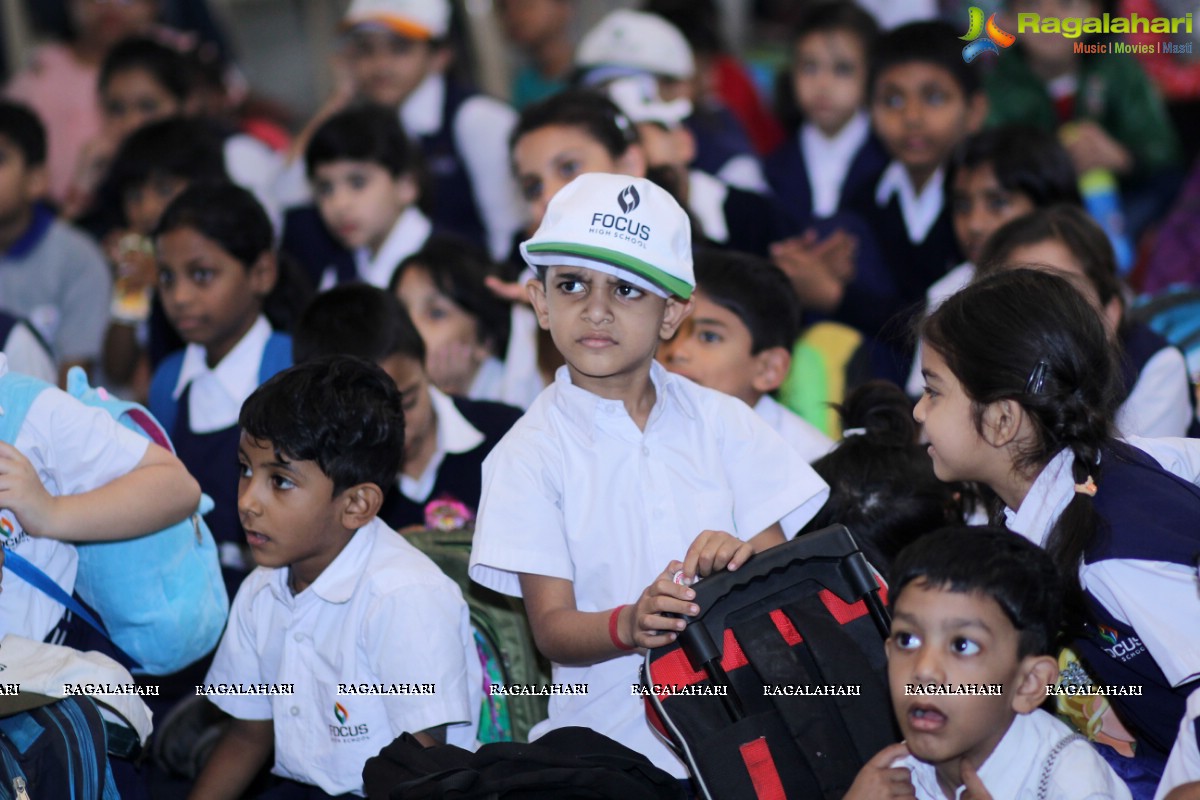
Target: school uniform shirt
576	491
217	393
939	292
380	613
406	237
498	382
479	132
74	449
1014	769
735	218
1183	766
802	435
1160	402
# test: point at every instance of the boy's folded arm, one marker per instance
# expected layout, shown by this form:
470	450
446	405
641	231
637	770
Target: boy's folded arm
237	757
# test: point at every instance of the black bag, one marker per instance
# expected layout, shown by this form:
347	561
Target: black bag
565	763
805	615
58	750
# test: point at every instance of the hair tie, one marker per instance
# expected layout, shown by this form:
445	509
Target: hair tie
1037	378
1088	487
846	434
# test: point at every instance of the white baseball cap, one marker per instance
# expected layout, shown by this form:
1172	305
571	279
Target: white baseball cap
623	226
627	42
412	19
638	97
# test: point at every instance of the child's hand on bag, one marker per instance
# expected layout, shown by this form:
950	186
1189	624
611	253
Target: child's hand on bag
22	492
713	551
650	628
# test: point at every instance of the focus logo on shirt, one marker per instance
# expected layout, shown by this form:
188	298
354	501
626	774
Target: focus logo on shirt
11	531
343	732
1120	649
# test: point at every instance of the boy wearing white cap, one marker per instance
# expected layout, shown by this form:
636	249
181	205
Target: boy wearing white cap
620	469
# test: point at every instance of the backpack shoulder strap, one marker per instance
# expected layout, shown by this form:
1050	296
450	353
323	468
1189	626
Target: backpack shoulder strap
277	356
17	393
163	405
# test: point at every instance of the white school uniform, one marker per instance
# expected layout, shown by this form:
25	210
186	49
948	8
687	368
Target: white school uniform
380	613
576	491
1014	769
454	435
406	237
808	441
1183	765
218	392
828	159
919	209
1157	599
74	449
1159	403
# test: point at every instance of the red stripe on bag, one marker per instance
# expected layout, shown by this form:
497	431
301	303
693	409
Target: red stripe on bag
761	768
786	629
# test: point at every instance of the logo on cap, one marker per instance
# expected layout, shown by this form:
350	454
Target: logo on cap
628	199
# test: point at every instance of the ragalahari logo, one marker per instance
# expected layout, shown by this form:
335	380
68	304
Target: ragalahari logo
341	713
628	199
993	38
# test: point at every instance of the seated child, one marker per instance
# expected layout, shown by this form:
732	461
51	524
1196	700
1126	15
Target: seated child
739	339
51	274
833	152
962	622
363	171
337	598
216	273
445	438
621	469
881	484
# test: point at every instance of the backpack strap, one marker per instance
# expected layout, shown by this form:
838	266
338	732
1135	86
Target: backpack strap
276	357
1043	789
163	404
17	393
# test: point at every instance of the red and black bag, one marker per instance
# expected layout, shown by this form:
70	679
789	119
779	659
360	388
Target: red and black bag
778	688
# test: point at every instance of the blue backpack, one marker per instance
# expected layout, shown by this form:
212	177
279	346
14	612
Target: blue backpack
160	596
1175	315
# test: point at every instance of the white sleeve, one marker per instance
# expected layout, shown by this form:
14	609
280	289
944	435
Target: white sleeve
1159	403
1082	774
1183	766
256	168
744	172
481	132
1158	600
1174	454
237	661
27	355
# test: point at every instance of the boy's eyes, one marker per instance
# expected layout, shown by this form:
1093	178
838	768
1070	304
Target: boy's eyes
905	640
964	646
709	337
935	97
202	276
280	482
165	278
570	286
892	100
243	469
569	168
531	189
628	291
929	391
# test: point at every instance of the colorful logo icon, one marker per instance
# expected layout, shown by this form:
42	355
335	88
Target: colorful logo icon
628	199
1108	634
994	37
341	713
7	526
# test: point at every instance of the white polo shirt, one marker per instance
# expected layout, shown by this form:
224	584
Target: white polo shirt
75	449
576	491
1183	765
381	613
218	392
406	237
1014	769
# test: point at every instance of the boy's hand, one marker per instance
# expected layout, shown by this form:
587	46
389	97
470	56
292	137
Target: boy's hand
649	628
818	270
22	492
975	790
713	551
878	778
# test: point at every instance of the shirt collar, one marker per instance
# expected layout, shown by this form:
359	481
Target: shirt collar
842	144
237	372
43	217
454	435
421	113
584	409
1045	501
768	409
337	582
411	230
920	211
706	201
1004	773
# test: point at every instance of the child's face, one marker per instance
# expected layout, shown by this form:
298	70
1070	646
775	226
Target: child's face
547	159
443	324
145	203
980	205
529	23
387	68
360	201
947	414
289	512
132	98
606	328
951	638
1053	256
830	78
420	422
712	348
920	113
20	184
210	297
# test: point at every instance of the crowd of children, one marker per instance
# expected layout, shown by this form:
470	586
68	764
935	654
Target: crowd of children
574	324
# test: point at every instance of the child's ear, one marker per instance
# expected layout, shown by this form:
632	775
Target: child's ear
676	312
977	111
362	503
1002	422
1035	673
536	289
407	190
264	272
770	368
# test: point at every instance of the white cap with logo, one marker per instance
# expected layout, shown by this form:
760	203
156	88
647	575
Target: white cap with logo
623	226
627	42
412	19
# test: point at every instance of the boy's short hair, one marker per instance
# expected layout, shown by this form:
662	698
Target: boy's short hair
838	15
170	67
365	133
341	412
931	42
1016	573
22	126
754	289
187	149
1025	159
357	320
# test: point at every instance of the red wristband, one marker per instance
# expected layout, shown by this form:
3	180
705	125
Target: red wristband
612	630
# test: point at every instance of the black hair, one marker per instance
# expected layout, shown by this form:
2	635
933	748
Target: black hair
457	268
838	15
930	42
369	133
21	125
698	20
344	413
169	67
187	149
1014	572
1025	159
997	336
881	481
231	217
754	289
1075	229
587	109
359	320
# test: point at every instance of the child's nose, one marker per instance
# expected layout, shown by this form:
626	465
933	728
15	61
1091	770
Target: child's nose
927	667
919	410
